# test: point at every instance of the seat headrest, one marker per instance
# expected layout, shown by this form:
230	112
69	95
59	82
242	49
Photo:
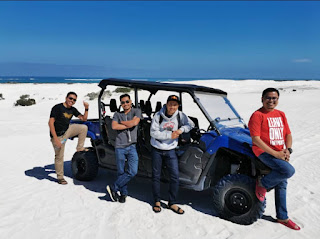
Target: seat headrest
158	106
148	108
142	106
113	105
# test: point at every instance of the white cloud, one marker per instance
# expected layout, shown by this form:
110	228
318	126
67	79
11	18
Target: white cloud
303	60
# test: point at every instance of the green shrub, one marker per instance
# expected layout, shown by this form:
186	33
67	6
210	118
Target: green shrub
23	97
122	90
25	101
107	93
93	95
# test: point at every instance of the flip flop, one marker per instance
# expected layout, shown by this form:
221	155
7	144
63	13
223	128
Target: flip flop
178	210
62	181
291	225
156	209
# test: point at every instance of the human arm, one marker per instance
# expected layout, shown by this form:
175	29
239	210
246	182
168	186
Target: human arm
256	140
288	145
155	131
187	125
131	123
116	126
115	123
53	132
84	117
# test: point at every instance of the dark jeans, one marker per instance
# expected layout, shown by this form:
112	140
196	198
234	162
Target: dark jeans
129	153
277	179
171	161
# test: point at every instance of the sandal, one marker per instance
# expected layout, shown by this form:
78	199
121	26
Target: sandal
290	224
156	208
62	181
178	210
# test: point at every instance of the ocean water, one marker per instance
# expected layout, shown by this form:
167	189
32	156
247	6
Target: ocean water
70	80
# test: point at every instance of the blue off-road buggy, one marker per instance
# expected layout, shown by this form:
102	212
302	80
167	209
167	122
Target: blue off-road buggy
215	154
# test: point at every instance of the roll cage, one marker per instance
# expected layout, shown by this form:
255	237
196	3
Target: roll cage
154	87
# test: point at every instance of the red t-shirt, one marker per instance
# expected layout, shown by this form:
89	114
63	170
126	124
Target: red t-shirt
272	127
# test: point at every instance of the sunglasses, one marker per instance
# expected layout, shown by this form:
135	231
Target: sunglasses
272	98
125	102
73	99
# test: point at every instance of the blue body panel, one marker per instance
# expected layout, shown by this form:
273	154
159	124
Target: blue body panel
93	128
237	139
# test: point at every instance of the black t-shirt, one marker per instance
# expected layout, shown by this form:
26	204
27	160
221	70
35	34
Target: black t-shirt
62	116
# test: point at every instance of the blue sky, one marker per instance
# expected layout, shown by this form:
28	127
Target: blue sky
206	39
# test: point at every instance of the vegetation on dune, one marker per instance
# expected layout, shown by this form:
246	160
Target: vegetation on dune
94	95
25	100
122	90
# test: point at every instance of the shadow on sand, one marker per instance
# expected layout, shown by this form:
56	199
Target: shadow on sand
269	218
140	188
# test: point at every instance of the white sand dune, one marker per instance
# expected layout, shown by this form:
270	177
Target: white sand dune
33	205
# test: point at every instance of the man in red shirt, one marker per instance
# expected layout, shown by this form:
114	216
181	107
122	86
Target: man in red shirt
271	143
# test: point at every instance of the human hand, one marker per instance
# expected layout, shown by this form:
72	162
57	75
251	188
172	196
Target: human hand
174	135
179	131
57	143
86	105
281	155
287	154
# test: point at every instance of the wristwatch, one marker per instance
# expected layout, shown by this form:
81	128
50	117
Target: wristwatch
86	109
290	150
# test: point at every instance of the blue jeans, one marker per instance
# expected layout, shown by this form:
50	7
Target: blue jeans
170	159
277	179
124	176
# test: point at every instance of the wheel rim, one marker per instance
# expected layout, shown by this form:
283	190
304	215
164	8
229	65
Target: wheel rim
238	201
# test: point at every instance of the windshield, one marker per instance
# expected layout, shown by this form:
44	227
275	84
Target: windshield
219	110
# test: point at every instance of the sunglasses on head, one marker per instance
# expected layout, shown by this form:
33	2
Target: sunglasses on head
73	99
124	102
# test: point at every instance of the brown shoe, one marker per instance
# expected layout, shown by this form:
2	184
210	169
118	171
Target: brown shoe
62	181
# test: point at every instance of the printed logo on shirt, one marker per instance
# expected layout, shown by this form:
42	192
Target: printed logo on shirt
275	131
168	126
66	115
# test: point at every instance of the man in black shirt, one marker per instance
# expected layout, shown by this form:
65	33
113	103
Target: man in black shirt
60	130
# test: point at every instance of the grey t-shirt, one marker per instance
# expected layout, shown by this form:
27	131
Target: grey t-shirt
128	136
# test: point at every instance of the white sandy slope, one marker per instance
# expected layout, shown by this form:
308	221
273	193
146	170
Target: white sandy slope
33	205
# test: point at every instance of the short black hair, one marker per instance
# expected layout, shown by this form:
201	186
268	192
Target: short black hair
72	93
124	95
270	90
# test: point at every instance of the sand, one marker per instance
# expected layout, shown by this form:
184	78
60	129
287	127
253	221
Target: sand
33	205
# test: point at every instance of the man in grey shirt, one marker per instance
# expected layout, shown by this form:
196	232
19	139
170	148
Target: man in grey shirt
126	124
